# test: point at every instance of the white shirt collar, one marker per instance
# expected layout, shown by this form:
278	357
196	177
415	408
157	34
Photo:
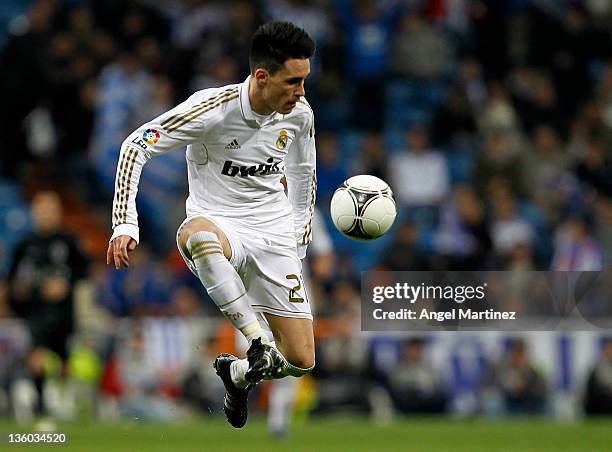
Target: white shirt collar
245	105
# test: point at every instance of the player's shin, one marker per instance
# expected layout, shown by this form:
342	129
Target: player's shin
223	284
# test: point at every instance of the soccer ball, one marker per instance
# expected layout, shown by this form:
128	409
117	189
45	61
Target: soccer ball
363	208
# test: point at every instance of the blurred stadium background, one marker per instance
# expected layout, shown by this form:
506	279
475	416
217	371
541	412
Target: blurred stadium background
492	122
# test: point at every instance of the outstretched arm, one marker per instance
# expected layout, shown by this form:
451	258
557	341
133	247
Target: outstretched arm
178	127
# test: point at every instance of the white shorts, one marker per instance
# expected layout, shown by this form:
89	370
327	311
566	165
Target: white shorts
268	265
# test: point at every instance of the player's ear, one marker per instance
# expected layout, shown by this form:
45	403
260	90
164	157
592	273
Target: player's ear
261	76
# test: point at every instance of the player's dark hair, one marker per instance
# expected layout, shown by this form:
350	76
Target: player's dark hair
276	42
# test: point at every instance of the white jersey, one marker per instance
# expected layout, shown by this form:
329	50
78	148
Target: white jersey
234	161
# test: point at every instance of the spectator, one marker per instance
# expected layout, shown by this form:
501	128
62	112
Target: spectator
145	391
521	387
471	82
463	239
200	19
368	28
331	170
576	43
603	225
419	174
498	114
5	309
575	247
221	71
405	252
549	182
508	227
535	98
520	258
543	107
312	17
414	384
46	266
419	50
595	171
451	15
24	81
342	356
453	122
598	393
491	22
500	160
372	156
603	94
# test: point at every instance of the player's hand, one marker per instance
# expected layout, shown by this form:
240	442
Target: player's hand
118	250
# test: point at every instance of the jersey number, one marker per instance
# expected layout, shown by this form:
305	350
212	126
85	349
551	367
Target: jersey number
293	298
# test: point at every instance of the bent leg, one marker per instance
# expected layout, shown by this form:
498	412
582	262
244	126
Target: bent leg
208	250
294	339
200	224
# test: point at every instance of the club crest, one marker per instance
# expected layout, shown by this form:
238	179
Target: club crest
282	141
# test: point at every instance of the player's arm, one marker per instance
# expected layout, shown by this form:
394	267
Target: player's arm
174	129
300	171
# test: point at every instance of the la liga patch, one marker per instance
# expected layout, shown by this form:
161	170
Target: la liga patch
151	136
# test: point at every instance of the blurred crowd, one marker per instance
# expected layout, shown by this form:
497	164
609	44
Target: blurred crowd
491	120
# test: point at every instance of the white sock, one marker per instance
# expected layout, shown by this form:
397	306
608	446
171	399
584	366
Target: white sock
223	284
240	367
237	370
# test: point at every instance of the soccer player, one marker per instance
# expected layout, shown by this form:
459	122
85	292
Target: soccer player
252	183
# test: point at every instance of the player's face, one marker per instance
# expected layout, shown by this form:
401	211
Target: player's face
285	87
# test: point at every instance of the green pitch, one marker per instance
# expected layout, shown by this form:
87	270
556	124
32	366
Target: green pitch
438	434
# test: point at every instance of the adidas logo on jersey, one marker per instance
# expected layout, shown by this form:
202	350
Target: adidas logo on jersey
233	145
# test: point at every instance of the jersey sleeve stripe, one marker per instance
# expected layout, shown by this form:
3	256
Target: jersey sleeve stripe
128	157
127	191
121	166
202	110
179	116
174	118
121	183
